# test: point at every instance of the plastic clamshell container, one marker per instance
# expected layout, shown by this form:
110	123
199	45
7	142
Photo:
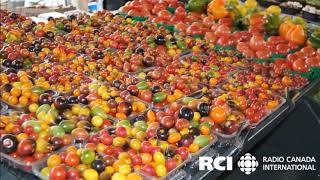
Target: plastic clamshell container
243	126
270	112
15	107
191	95
205	149
3	108
18	164
133	114
170	175
37	166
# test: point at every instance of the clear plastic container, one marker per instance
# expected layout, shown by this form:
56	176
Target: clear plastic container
14	107
270	112
15	163
202	151
37	166
242	127
133	114
3	108
174	174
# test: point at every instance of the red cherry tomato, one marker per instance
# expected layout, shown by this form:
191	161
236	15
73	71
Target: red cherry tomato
292	57
181	27
73	174
282	48
195	29
222	30
263	54
308	51
208	21
58	173
158	7
180	12
164	14
226	21
313	62
210	37
300	66
257	42
72	159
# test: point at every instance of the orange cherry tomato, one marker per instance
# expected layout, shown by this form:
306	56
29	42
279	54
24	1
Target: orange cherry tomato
218	114
174	138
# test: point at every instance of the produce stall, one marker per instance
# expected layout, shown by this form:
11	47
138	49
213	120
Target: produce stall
144	92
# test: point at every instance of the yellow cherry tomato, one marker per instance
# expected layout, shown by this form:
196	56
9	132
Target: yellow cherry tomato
90	174
54	160
159	158
118	176
161	170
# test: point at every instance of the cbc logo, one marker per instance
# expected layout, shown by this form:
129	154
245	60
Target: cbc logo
248	164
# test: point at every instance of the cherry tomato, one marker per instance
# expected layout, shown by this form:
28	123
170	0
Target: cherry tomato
218	114
300	66
72	159
54	160
58	173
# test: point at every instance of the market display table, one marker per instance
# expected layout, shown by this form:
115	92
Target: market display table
285	121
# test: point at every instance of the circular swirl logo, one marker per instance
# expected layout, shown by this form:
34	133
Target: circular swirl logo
248	163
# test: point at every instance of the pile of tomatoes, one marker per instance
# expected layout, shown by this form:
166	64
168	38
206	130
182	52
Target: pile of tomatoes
105	96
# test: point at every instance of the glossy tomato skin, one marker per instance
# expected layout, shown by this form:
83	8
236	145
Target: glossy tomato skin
73	174
72	159
183	152
300	66
106	139
170	164
58	173
148	170
167	121
313	61
146	147
136	160
26	147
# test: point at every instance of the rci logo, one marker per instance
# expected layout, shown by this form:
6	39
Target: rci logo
207	163
248	164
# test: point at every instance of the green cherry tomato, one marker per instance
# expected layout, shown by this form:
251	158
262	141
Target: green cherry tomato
27	64
125	123
159	97
202	140
38	90
56	131
195	58
97	111
35	124
142	85
141	125
181	45
194	124
43	108
87	156
169	45
150	40
186	100
67	125
53	112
